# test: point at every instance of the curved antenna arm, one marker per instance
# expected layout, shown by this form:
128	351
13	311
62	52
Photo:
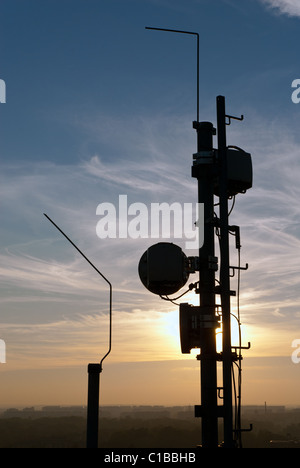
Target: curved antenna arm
198	59
105	279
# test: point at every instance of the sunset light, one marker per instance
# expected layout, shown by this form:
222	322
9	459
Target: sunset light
151	149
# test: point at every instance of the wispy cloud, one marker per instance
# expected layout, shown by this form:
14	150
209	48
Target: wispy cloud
269	218
139	335
50	294
288	7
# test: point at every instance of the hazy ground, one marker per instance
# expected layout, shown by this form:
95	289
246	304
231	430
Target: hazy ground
140	428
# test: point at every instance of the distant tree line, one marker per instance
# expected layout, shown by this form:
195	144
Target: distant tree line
131	432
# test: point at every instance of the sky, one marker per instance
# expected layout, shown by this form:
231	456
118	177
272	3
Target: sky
98	107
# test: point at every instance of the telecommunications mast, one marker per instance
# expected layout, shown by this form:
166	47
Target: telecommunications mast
164	269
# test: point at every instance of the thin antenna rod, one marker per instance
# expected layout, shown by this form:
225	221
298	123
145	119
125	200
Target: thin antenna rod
105	279
198	60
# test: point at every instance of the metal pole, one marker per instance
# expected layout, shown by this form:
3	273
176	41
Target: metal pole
224	274
94	371
203	170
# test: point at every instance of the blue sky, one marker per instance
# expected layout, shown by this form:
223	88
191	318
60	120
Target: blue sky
98	107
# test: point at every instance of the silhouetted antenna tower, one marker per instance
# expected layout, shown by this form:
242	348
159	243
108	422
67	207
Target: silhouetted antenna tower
94	370
164	269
